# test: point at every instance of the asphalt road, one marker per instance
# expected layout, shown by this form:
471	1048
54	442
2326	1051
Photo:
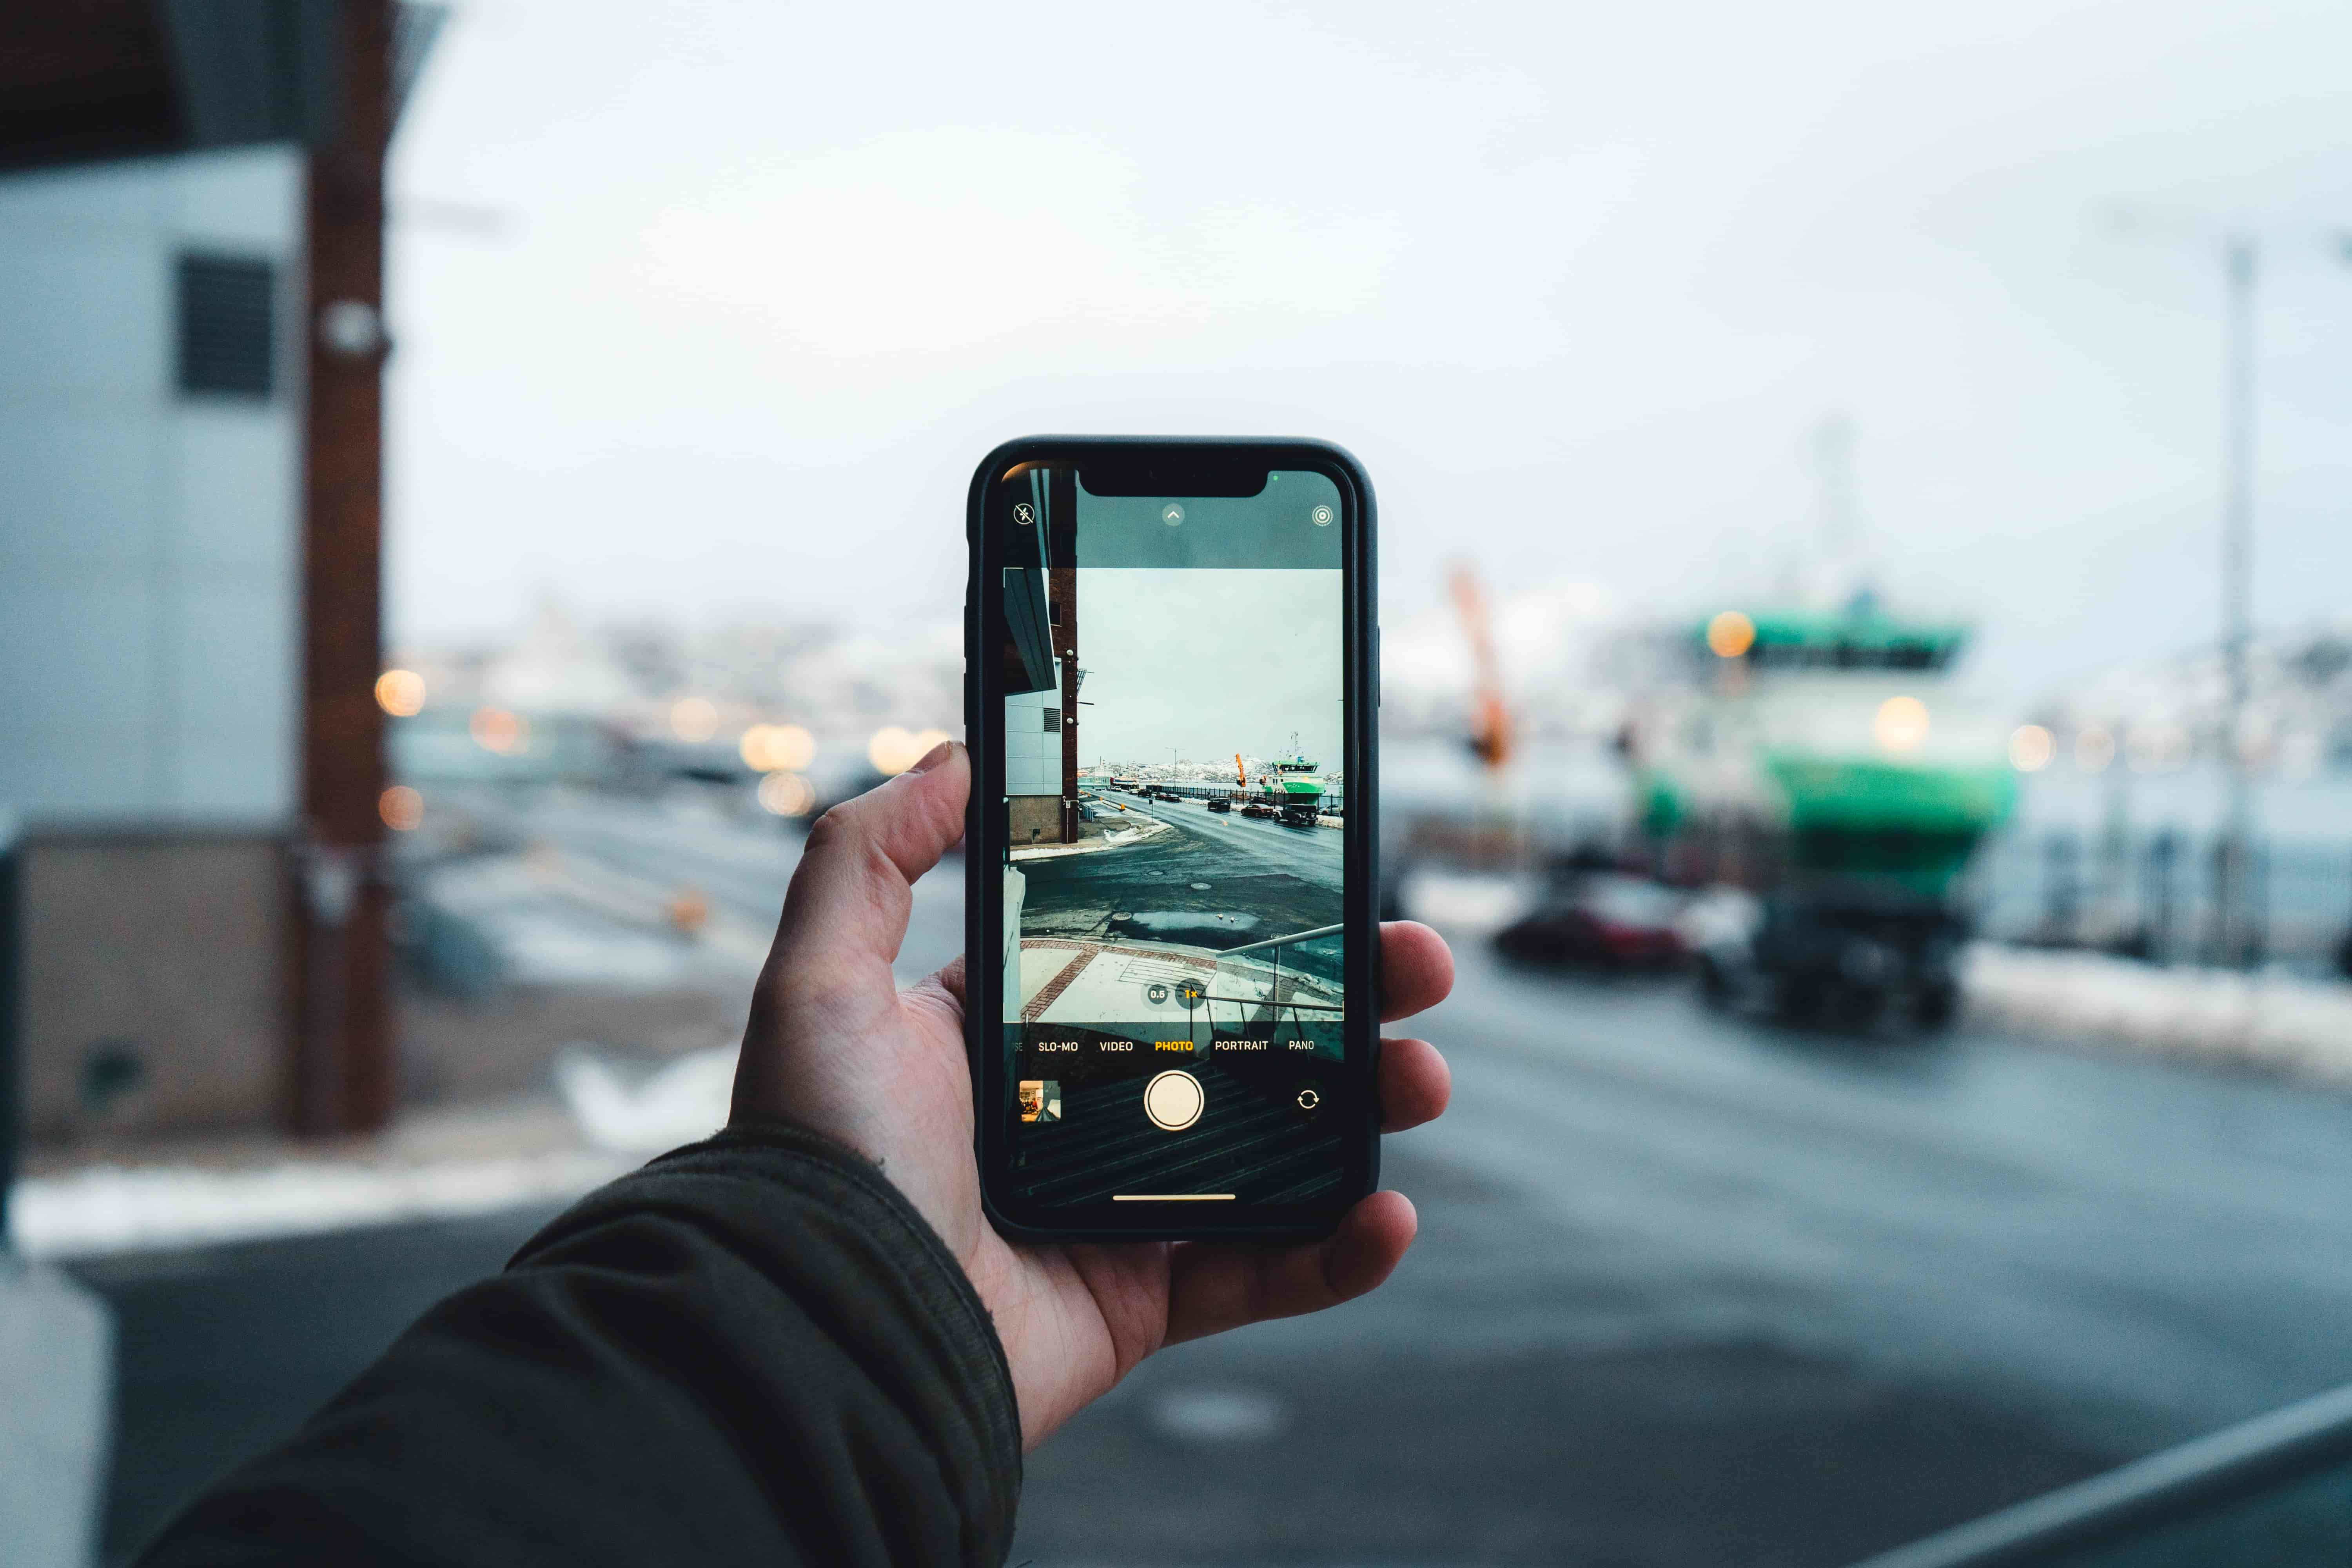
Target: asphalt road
742	866
1213	879
221	1352
1693	1292
1689	1291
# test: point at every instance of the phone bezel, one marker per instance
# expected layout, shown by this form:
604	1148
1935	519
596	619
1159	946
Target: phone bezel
1174	457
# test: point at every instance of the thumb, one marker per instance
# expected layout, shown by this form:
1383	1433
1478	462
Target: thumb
846	913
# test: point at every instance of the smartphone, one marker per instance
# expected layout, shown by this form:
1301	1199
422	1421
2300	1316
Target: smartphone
1171	684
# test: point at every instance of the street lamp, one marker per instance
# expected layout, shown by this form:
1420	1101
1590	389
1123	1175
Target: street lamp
2238	249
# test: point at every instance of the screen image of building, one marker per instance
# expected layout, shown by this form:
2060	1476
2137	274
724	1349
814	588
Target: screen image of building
1041	669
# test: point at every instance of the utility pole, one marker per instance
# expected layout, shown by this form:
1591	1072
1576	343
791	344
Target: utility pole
2234	925
344	1050
1833	467
2233	874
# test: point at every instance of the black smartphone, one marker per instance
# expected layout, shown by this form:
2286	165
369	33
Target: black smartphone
1171	659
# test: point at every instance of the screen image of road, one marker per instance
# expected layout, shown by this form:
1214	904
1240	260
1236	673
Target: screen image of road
1174	794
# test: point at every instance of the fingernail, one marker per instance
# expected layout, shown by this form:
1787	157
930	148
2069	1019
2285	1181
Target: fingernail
934	757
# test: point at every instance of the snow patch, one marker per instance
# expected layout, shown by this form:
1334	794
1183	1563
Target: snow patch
1120	837
111	1208
682	1102
2271	1021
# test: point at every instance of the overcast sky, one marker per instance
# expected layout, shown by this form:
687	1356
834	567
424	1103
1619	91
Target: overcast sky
1210	662
1575	281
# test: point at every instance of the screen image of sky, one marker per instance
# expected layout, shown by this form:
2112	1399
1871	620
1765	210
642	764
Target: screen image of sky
1201	664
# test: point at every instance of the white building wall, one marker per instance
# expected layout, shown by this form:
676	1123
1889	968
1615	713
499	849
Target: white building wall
1032	753
150	544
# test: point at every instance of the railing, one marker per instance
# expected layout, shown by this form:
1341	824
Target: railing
2155	896
2276	1489
10	926
1275	1009
1294	938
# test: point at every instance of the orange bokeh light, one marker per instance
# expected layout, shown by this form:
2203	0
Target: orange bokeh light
1730	635
401	808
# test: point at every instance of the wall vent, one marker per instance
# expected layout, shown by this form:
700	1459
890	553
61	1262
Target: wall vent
228	339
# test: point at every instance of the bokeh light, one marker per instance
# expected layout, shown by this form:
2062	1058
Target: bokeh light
1901	724
1730	635
401	808
894	751
787	795
2094	748
777	748
400	692
2031	747
495	730
690	911
693	719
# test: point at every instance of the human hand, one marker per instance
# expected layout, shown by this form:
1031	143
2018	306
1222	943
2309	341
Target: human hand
834	1046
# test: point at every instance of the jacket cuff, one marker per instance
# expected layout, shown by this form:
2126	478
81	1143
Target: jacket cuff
816	1214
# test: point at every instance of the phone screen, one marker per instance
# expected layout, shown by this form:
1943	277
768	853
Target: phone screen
1174	791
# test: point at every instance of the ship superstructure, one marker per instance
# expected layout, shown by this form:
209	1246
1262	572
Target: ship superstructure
1826	762
1291	787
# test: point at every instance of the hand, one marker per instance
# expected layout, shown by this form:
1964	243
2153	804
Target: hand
834	1046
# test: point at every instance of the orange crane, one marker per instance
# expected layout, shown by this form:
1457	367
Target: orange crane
1490	721
1241	773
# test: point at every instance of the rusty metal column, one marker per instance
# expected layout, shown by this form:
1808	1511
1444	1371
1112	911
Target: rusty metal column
342	1069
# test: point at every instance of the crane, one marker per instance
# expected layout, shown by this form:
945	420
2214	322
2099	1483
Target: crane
1490	721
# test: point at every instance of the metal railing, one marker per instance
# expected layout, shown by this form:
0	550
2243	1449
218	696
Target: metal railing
1292	940
11	929
2157	896
2134	1514
1274	1008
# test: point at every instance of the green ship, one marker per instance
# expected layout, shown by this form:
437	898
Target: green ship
1291	788
1824	766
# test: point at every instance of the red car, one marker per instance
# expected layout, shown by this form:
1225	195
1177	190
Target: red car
1603	918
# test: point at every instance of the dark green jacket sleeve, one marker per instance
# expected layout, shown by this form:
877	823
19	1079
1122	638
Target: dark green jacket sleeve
751	1351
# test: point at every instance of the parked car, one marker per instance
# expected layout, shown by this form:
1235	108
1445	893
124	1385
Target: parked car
1605	918
1221	804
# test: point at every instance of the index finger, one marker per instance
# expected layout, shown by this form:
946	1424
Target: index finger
1416	969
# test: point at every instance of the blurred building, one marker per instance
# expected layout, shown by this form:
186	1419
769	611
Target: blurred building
191	757
2160	714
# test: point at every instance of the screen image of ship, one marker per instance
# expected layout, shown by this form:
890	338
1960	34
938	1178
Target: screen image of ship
1291	788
